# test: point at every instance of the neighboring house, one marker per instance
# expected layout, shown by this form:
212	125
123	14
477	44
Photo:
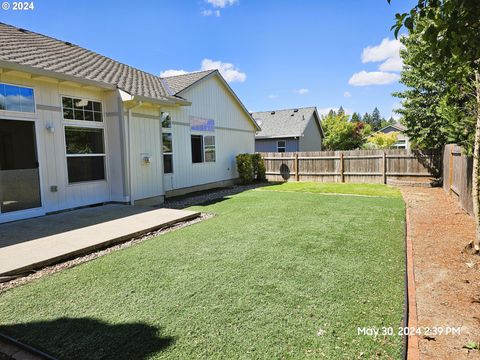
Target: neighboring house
78	128
289	130
402	139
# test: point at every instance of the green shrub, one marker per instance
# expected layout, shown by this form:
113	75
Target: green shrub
245	168
259	167
251	167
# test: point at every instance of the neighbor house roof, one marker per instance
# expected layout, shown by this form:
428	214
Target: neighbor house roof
397	126
284	123
35	52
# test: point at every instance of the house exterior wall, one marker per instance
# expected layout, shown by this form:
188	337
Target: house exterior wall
234	134
270	145
402	139
312	137
145	138
51	146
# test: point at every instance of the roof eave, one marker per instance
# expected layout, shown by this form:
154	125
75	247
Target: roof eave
277	136
53	74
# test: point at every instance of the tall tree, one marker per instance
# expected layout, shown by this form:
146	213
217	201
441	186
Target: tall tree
450	29
356	117
376	119
342	134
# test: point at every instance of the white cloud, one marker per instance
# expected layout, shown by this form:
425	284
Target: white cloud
272	96
222	3
229	72
347	94
302	91
388	51
172	72
209	12
392	64
364	78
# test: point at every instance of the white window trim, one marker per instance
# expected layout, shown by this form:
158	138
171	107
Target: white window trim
284	147
85	124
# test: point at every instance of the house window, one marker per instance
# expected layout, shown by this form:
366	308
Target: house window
16	98
81	109
209	150
85	151
167	143
281	146
197	148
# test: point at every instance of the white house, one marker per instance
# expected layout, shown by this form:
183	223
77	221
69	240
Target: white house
78	128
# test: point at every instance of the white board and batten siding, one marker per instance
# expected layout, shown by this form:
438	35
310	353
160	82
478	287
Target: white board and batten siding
234	134
146	141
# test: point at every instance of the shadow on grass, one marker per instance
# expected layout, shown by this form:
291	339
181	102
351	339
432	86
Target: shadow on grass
86	338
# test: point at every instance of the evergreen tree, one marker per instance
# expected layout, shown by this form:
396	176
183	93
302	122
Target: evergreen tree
356	117
376	120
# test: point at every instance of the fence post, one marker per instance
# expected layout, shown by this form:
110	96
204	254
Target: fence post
342	175
384	167
450	170
296	167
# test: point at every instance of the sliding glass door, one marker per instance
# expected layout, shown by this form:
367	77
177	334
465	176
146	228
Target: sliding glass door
19	175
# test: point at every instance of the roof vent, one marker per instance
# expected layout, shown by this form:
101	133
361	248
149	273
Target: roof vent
292	114
68	43
295	110
272	113
22	30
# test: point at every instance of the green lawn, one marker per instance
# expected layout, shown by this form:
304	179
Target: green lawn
259	280
337	188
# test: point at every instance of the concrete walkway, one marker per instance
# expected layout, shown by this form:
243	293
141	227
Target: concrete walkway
31	244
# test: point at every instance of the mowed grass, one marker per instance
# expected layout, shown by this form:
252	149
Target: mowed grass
337	188
274	275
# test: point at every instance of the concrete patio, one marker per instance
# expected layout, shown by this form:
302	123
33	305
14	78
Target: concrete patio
31	244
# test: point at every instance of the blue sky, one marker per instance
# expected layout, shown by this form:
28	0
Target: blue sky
275	54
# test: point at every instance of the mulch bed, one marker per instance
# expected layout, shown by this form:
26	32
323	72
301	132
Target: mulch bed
446	279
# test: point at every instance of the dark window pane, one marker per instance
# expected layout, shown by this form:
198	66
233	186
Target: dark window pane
85	168
89	105
98	116
88	115
97	106
167	164
67	102
167	142
166	121
78	114
68	114
84	140
197	149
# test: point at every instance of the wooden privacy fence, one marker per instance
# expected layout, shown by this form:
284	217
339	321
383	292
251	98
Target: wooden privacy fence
360	166
457	175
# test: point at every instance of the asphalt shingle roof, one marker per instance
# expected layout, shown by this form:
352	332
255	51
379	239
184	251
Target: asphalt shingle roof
38	51
288	122
181	82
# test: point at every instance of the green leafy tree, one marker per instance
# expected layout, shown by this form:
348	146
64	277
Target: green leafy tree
449	30
342	134
381	140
